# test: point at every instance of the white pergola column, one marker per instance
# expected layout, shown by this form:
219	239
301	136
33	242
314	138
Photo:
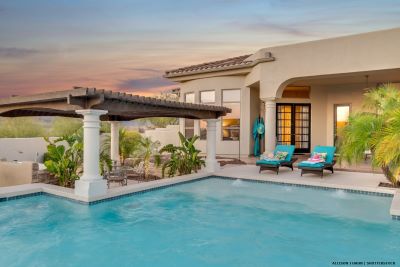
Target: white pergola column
114	150
91	183
212	164
270	124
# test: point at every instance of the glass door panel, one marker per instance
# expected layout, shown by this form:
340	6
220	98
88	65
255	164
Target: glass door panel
293	126
342	113
284	124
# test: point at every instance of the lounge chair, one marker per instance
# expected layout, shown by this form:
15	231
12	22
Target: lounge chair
318	168
274	164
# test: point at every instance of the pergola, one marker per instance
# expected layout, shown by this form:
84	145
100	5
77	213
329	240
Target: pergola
95	105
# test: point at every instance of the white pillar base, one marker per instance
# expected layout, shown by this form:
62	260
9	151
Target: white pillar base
212	166
90	188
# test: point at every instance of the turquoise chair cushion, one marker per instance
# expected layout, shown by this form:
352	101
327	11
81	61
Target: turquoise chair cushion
285	148
329	150
311	165
269	162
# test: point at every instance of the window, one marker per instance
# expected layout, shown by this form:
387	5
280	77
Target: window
208	98
342	112
189	123
231	122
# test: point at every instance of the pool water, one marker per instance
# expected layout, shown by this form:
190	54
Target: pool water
212	222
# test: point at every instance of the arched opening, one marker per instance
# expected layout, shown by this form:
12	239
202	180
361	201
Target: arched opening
312	110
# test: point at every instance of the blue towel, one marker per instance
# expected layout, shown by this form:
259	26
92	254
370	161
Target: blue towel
274	162
311	165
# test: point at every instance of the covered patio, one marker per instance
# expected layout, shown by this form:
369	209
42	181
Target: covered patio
95	105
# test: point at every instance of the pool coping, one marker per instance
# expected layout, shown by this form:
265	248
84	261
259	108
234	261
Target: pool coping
28	190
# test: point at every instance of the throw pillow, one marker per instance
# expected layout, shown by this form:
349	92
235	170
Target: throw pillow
281	155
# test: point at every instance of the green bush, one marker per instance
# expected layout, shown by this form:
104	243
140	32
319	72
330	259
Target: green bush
62	126
184	159
64	161
64	158
376	128
21	127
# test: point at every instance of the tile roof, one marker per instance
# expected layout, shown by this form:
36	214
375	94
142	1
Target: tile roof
229	63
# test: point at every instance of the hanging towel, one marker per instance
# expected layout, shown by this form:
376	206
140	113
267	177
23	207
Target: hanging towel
258	133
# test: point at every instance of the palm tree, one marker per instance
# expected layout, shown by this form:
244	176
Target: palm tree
145	151
129	141
376	128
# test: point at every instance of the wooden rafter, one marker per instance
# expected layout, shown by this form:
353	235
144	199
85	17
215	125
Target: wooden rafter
120	106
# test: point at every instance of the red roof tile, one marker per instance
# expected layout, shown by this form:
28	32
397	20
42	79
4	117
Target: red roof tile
228	63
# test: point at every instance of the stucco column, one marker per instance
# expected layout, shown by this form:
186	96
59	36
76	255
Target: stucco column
270	124
91	182
212	164
114	149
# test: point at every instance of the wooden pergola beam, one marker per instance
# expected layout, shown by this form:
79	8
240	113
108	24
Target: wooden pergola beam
120	106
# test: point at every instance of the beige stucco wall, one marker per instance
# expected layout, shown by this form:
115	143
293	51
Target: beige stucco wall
344	94
218	84
318	101
15	173
167	135
336	56
323	99
254	112
311	62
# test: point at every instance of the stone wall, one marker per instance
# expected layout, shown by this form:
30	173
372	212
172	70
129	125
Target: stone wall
42	176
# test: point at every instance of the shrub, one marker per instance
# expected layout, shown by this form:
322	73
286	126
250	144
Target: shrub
184	159
376	128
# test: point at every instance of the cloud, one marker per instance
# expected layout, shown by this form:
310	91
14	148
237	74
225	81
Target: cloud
271	27
15	52
145	83
149	70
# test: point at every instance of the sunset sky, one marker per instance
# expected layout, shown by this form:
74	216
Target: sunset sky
127	45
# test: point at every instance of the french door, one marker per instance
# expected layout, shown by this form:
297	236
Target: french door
293	126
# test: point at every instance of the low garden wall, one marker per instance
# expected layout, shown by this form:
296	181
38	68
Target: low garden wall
22	149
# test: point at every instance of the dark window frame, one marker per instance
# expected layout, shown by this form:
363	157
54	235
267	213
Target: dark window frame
293	125
240	110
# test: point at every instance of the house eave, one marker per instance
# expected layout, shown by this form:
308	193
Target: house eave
232	70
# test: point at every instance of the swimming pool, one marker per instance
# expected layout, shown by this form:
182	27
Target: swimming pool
211	222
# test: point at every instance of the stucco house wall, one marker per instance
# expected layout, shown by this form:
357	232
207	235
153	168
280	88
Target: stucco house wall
218	84
335	56
335	69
